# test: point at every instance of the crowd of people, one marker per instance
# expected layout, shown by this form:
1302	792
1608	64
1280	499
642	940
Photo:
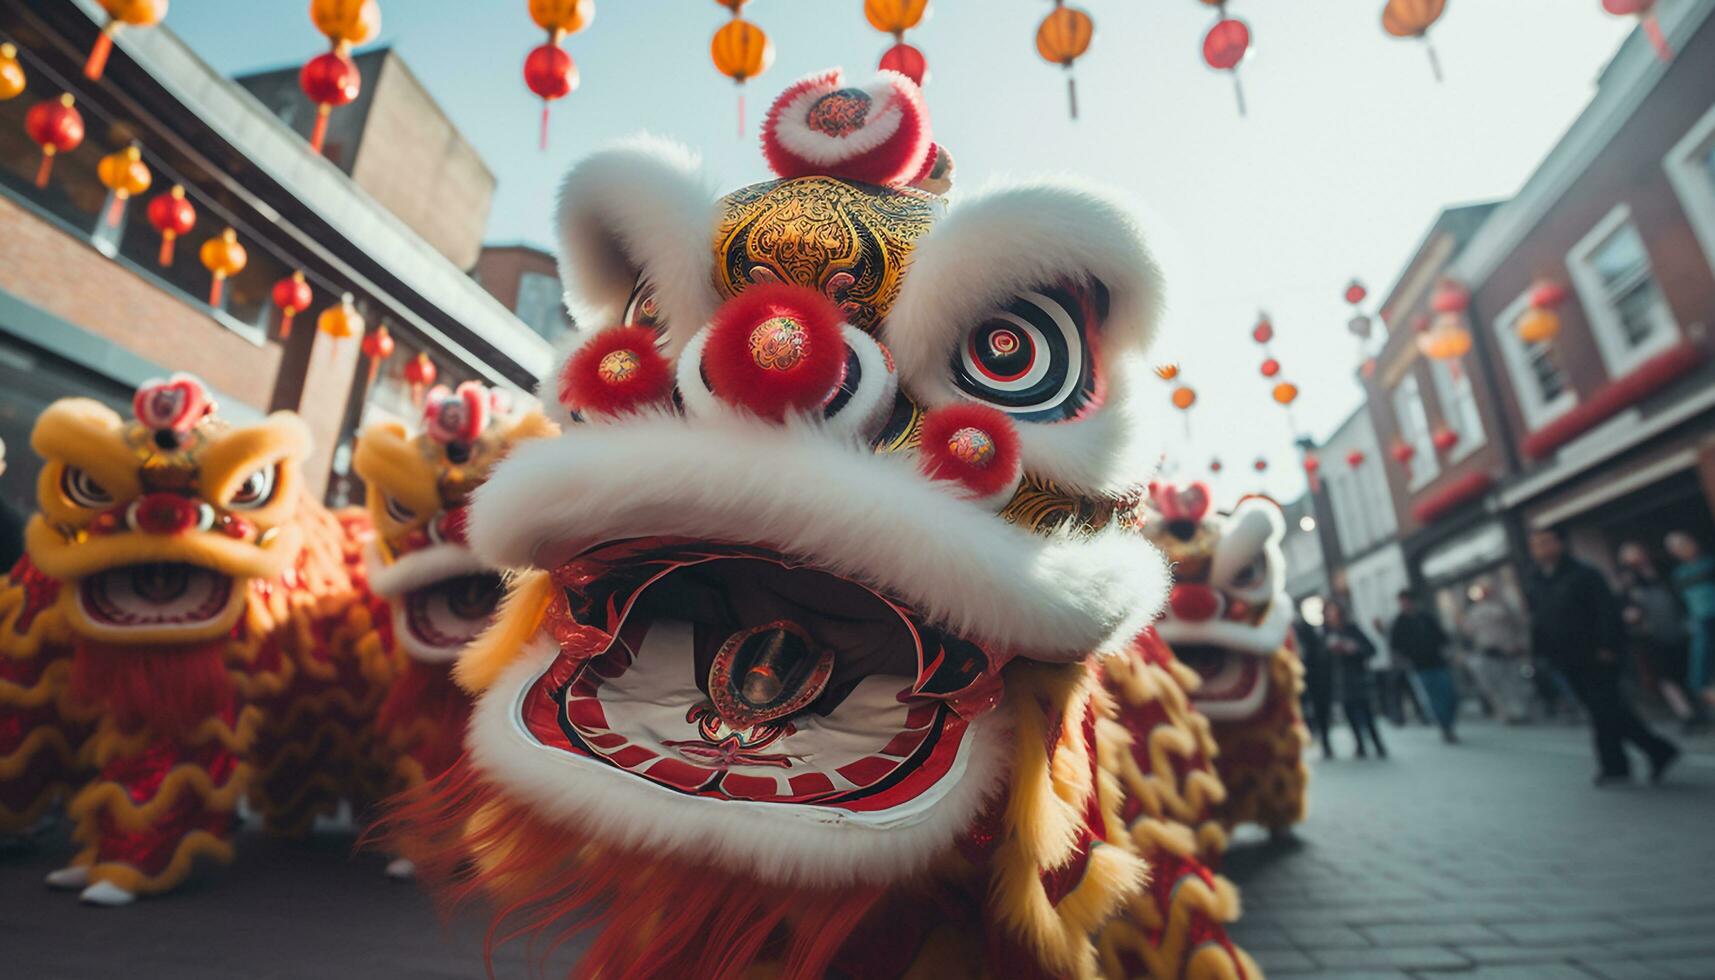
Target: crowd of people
1572	653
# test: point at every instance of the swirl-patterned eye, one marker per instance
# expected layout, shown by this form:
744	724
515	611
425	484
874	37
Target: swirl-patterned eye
257	490
397	512
1252	575
81	489
642	309
1033	359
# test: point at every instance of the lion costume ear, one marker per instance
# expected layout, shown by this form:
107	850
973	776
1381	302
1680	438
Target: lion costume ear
636	222
1041	300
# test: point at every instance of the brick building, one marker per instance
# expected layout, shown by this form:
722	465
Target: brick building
86	309
1608	429
526	280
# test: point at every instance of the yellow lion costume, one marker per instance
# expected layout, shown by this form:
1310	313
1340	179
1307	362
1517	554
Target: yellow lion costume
181	634
829	651
438	594
1230	619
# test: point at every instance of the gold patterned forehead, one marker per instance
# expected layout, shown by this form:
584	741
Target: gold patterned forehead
847	240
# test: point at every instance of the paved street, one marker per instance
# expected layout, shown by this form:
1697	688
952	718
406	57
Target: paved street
1491	859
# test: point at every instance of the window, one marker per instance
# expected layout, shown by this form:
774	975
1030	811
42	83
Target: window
1538	384
1413	423
539	304
1629	316
1691	167
1459	409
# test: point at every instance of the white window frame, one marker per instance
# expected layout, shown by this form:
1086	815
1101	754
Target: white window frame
1620	357
1537	411
1454	395
1424	466
1694	184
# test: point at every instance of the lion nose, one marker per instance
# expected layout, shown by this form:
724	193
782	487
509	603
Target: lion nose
775	349
1194	603
169	514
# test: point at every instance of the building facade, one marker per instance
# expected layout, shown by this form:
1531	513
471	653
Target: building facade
87	308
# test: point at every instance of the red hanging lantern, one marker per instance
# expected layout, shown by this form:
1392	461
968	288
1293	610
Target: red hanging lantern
419	374
1270	368
330	80
1355	292
895	17
1450	296
1215	466
377	346
137	13
1644	11
1263	332
908	61
57	126
292	295
1224	47
1403	452
1261	465
1355	458
1313	471
172	216
550	73
1445	439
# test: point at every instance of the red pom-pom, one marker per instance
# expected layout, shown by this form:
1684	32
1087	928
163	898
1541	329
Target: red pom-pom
618	370
775	348
1193	603
974	445
878	134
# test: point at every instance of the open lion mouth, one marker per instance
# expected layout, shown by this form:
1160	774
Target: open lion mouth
1234	684
162	595
733	673
448	614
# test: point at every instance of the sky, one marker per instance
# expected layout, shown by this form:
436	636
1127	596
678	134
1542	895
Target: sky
1348	151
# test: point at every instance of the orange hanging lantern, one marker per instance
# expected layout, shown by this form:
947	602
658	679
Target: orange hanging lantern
172	216
1447	338
1224	47
339	322
292	295
126	175
57	126
1184	397
741	51
12	78
1413	19
1286	393
224	258
1541	322
895	17
346	23
1644	11
549	72
136	13
1061	39
419	374
377	346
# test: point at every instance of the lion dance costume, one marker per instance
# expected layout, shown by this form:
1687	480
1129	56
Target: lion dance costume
803	673
438	594
181	634
1230	619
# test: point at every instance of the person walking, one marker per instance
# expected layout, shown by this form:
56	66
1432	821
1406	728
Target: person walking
1352	651
1694	579
1417	636
1497	639
1655	625
1318	682
1575	621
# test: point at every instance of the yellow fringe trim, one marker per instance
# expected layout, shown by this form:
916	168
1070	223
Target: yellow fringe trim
45	738
110	743
196	844
519	617
111	797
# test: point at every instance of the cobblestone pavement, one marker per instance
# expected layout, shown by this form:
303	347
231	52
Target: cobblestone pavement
1491	859
1495	858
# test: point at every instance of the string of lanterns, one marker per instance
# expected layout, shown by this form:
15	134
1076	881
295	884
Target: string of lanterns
135	13
1061	39
332	79
895	17
57	125
549	71
1225	45
741	51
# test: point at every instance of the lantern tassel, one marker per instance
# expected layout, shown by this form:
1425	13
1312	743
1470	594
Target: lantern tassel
97	63
46	168
1239	92
1657	40
374	369
1434	59
741	110
319	134
1072	93
286	323
544	141
215	290
166	256
115	208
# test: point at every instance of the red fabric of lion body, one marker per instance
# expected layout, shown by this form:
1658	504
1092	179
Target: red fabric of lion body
169	689
1261	761
422	722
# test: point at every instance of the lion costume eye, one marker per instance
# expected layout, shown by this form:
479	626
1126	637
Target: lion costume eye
81	489
398	512
642	309
1251	576
1031	360
257	490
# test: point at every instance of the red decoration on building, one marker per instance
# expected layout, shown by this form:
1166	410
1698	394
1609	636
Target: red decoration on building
1224	47
419	374
1446	499
57	126
330	80
377	346
173	216
1648	378
292	295
1355	458
1445	439
1403	452
1450	296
